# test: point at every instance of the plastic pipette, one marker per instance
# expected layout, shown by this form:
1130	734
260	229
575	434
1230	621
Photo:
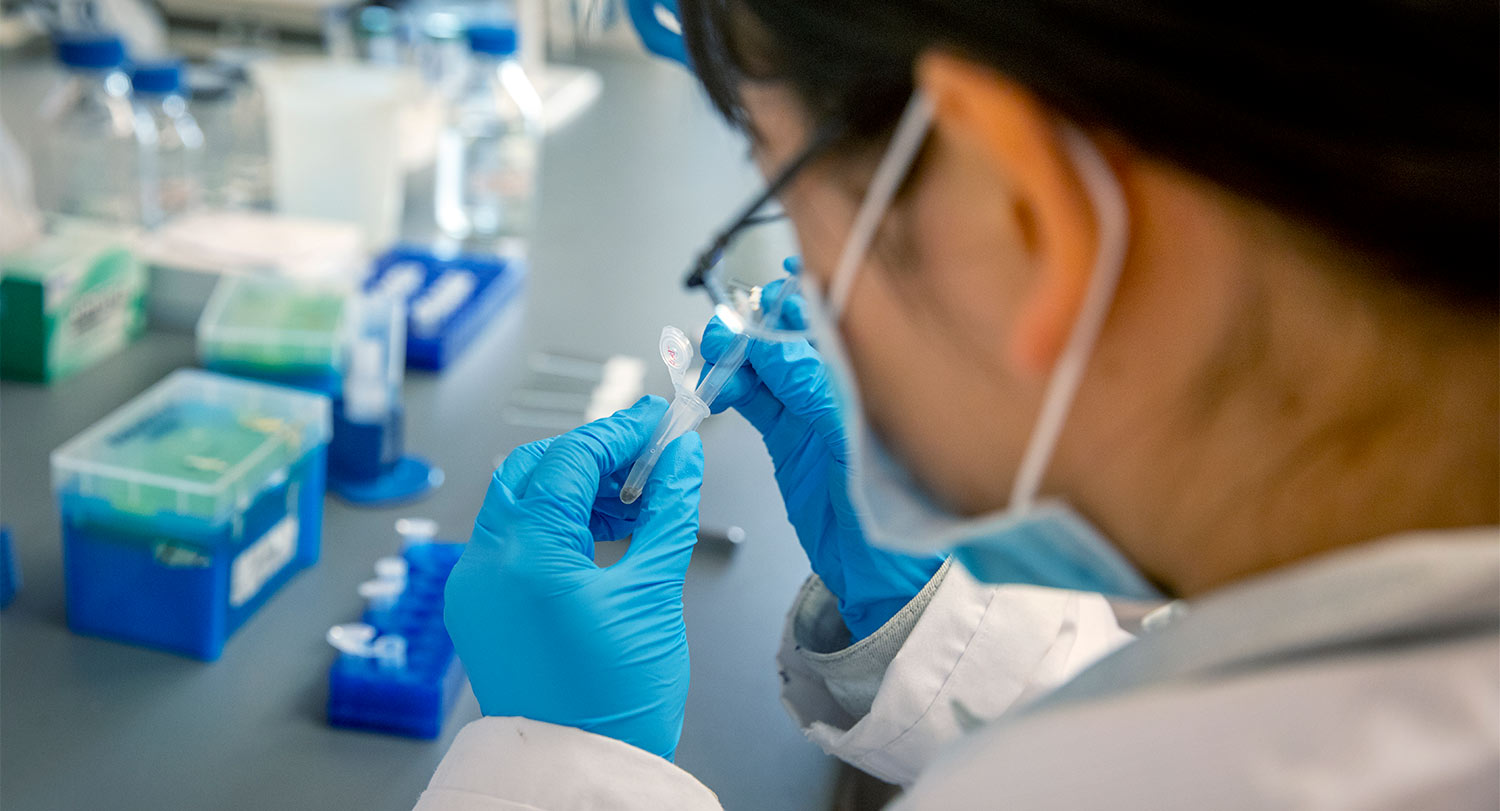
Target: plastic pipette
688	407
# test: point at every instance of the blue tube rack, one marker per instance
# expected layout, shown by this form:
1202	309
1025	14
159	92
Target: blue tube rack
414	700
10	572
497	280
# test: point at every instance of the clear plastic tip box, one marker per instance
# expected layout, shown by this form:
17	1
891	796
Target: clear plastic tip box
412	694
184	510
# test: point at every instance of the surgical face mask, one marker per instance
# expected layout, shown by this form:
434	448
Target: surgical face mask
1046	544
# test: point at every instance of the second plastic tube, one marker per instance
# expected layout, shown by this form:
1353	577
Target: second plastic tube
686	411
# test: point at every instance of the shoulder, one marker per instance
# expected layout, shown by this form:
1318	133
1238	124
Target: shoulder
1417	727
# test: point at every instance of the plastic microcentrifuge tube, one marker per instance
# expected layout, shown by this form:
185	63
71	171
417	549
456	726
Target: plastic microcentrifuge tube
415	531
392	568
382	594
689	407
686	411
353	638
360	639
388	585
402	280
367	390
442	299
390	651
732	535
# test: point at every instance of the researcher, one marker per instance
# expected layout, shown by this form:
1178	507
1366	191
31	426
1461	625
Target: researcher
1135	398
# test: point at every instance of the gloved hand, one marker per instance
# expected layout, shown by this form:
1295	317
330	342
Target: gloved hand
543	631
785	392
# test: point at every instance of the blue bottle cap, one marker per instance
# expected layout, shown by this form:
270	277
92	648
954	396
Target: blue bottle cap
90	50
493	39
162	76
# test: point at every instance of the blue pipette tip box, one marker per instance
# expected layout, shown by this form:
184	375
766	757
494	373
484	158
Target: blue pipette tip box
187	508
412	701
10	571
497	280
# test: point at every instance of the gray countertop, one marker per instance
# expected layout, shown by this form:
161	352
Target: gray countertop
630	190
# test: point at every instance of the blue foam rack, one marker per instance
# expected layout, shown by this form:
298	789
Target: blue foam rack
10	573
413	700
497	280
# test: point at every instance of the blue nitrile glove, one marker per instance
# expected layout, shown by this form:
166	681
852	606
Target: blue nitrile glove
784	391
665	42
543	631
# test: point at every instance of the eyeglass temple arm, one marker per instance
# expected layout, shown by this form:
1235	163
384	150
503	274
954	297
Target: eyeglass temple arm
747	216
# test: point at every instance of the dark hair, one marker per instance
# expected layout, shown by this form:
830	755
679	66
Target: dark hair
1378	121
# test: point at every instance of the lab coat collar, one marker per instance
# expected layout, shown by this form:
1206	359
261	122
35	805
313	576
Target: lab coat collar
1402	591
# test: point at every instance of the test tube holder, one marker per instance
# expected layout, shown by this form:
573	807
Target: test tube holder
412	701
497	279
10	573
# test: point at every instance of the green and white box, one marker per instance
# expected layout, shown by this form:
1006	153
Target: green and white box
69	300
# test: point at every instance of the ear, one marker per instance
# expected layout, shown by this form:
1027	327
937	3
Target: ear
1008	125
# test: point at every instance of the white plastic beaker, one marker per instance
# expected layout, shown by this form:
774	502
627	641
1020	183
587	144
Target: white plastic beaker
335	146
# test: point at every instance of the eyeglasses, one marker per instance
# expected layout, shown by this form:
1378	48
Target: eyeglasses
736	289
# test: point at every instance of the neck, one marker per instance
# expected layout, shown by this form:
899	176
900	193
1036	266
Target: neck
1319	420
1367	439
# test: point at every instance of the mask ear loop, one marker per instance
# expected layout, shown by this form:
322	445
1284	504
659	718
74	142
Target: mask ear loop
1112	215
911	130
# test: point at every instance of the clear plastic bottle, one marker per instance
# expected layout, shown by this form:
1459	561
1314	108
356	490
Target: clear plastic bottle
243	153
489	151
379	33
98	157
179	141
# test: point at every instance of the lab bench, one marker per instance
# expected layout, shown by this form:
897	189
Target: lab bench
631	190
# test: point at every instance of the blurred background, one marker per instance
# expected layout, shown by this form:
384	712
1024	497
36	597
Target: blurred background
280	282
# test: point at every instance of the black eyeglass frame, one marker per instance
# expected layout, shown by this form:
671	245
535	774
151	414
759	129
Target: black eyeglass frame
750	217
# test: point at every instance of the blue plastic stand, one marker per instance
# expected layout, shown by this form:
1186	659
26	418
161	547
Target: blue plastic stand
497	281
411	478
413	700
10	571
366	464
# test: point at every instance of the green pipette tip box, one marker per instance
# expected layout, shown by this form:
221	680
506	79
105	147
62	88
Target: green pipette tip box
274	326
68	301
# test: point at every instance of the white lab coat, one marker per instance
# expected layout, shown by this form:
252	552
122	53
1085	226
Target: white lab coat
1368	678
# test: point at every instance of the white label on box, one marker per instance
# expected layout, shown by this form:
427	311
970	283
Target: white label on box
261	560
